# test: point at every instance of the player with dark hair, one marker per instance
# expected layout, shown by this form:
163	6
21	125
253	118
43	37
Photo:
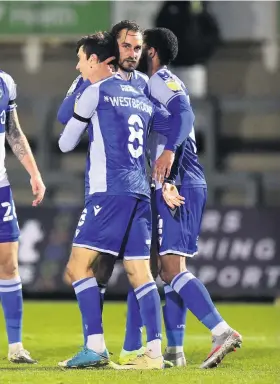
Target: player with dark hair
164	42
129	39
116	218
85	48
179	225
128	25
128	36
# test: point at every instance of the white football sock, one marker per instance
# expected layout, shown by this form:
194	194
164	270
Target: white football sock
153	348
220	328
96	343
15	347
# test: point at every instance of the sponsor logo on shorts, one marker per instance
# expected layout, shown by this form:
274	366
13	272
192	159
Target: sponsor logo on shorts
96	209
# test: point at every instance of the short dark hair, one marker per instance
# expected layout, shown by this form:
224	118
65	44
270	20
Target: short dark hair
164	42
101	44
125	24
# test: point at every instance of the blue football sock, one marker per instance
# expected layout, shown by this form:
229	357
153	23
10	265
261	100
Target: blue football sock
196	298
174	315
11	298
150	309
133	333
88	296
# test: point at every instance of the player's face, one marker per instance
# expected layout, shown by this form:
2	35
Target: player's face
130	47
83	65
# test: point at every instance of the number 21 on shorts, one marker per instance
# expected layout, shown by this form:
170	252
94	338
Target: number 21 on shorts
10	213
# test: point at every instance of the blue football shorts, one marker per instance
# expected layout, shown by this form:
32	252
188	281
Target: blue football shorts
118	225
178	230
9	229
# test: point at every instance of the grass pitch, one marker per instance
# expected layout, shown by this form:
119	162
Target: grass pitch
52	332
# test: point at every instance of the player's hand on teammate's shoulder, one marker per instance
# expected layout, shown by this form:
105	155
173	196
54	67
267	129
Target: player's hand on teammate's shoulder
171	196
38	189
162	166
101	70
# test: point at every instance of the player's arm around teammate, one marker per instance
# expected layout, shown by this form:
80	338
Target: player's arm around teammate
117	215
102	267
92	71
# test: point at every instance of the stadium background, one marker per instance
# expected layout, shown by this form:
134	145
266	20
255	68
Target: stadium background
229	60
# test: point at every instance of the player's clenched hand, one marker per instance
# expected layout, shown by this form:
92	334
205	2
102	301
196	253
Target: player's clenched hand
162	166
101	70
38	189
171	196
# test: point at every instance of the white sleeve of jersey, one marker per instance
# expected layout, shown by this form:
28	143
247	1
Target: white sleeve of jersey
164	90
71	134
87	102
12	88
84	110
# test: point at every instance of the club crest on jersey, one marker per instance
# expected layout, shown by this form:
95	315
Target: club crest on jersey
173	85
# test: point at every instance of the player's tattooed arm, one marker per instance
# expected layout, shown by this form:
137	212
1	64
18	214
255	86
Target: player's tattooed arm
20	146
15	136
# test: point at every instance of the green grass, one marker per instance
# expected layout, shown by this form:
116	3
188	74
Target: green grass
52	333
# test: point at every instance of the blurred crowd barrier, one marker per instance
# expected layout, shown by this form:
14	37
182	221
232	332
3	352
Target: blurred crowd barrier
239	253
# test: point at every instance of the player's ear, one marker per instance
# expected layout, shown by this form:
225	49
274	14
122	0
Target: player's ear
152	52
93	59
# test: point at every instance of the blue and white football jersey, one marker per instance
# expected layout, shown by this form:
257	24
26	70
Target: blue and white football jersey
7	103
140	81
167	91
120	117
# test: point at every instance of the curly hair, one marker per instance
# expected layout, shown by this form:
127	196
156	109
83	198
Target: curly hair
164	42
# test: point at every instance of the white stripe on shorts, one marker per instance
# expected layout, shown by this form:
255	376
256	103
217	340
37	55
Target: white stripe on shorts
136	257
95	248
171	251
